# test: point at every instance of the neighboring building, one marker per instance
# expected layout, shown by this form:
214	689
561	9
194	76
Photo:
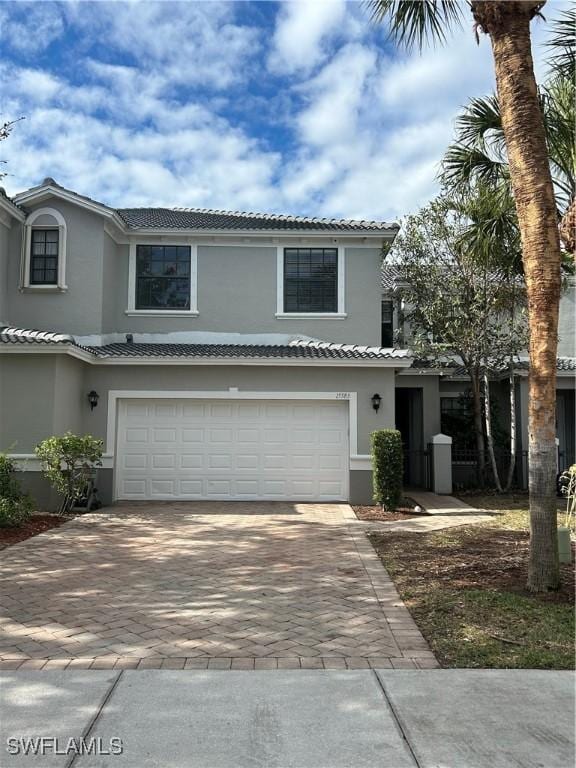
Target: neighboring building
431	399
232	355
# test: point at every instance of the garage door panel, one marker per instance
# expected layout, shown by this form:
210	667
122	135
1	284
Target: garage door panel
247	461
191	461
194	435
136	435
225	450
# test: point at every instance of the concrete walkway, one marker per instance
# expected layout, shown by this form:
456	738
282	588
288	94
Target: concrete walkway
441	512
205	585
283	719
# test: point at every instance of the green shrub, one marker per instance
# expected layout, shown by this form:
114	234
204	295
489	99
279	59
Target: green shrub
387	467
15	506
68	462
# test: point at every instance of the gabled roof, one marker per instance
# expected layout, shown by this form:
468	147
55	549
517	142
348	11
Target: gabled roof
204	218
10	206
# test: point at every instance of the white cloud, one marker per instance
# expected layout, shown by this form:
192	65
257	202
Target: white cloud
303	28
336	96
44	18
144	123
182	42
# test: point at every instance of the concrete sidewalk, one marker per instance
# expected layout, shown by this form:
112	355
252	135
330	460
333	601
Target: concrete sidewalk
294	719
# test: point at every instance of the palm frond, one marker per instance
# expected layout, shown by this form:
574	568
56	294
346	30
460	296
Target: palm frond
463	164
413	23
559	106
481	116
562	44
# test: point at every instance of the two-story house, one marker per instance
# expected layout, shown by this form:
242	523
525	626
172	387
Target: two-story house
218	355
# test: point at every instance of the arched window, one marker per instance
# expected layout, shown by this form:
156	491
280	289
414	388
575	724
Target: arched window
44	244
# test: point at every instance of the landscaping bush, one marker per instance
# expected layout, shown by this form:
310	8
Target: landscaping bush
387	467
69	462
15	506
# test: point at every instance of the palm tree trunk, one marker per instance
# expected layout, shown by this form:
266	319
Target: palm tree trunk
508	24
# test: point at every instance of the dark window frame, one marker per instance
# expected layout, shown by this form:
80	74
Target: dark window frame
163	268
311	280
44	266
387	323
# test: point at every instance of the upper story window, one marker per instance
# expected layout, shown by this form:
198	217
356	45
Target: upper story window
163	277
387	324
311	282
44	257
44	251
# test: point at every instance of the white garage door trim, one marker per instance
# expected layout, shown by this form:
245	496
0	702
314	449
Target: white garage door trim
116	395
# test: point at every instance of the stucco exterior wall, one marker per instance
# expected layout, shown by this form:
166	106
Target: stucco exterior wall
237	287
4	231
79	309
237	294
45	394
567	321
364	381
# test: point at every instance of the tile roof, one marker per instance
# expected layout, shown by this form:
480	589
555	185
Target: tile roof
218	220
454	370
389	275
296	349
299	349
26	336
207	219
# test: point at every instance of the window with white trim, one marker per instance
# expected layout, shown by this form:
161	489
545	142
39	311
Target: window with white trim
44	251
162	277
311	281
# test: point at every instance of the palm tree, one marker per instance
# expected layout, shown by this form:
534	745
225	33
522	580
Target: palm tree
507	23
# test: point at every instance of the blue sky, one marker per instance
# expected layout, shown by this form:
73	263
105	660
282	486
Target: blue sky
299	107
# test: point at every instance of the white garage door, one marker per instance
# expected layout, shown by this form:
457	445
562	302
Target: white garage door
240	449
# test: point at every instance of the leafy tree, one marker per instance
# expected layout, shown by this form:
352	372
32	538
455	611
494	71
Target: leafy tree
459	306
5	131
68	462
507	23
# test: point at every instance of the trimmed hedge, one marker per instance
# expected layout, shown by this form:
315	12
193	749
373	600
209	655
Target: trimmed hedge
387	467
15	506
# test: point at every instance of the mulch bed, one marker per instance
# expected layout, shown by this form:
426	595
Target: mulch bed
404	512
478	557
32	527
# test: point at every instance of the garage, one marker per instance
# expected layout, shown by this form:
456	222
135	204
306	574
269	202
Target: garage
232	449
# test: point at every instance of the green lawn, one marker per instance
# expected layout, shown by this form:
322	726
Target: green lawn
465	588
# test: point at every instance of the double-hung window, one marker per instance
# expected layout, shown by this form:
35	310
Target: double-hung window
162	277
312	281
44	257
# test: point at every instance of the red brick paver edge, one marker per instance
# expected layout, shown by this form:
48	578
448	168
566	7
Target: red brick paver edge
215	663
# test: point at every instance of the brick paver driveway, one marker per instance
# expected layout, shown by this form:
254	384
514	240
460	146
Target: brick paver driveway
204	585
